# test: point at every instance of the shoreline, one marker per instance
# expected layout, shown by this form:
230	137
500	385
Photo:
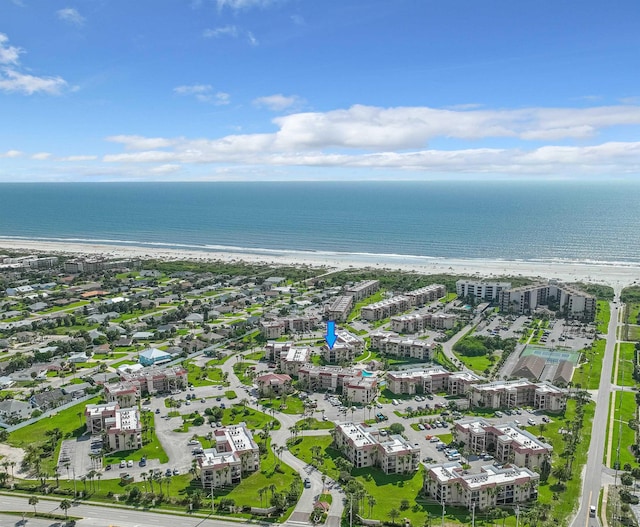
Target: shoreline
615	275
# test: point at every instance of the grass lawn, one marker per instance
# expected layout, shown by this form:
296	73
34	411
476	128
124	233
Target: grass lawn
116	365
588	374
203	377
563	503
477	364
634	333
314	424
603	315
625	409
293	405
104	356
625	364
254	419
256	355
241	370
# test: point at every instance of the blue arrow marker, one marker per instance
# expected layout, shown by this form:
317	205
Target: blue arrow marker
331	336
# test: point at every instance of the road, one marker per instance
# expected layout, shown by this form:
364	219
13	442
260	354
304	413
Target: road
592	474
98	516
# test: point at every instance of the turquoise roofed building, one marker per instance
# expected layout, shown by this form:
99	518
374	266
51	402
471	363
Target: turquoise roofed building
152	356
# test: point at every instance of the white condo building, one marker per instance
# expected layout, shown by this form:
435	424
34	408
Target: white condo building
365	447
480	289
451	484
520	392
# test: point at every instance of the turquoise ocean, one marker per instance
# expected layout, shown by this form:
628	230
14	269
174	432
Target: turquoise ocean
536	221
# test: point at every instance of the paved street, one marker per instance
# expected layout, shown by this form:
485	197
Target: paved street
592	475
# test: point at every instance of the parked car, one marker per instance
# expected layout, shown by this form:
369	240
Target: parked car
123	464
129	463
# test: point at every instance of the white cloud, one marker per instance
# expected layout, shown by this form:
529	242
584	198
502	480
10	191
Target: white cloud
14	81
70	15
252	39
41	156
278	102
204	93
298	20
11	154
165	169
397	138
78	158
8	54
240	5
224	31
137	142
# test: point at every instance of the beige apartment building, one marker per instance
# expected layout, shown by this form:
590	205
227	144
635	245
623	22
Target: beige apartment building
520	392
364	447
154	380
431	380
360	390
345	350
507	442
363	289
340	308
121	427
451	484
235	455
325	378
418	322
390	343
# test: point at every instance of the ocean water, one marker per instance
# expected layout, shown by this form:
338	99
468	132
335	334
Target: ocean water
547	221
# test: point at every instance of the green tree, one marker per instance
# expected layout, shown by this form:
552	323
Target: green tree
33	501
65	505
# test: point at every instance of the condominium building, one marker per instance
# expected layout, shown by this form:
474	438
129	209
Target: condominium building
125	393
392	344
417	322
288	357
362	289
507	442
480	289
520	392
424	295
346	348
570	302
340	308
272	329
360	390
300	324
121	426
235	455
273	384
325	378
386	308
365	447
153	380
451	484
431	380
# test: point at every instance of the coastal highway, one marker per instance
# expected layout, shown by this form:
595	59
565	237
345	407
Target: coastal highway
593	471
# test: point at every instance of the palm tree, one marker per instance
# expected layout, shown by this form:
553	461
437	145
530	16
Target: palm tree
272	488
13	464
372	502
393	514
99	476
33	501
65	505
261	492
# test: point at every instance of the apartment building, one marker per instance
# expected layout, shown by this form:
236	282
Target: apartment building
152	380
325	378
520	392
300	324
121	427
386	308
360	390
390	343
451	484
570	302
273	384
507	442
418	322
424	295
340	308
272	329
347	347
363	446
287	356
126	394
362	290
235	455
431	380
481	289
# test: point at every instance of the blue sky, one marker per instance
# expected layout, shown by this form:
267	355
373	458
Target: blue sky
102	90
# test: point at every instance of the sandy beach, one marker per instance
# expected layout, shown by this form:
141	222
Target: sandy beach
615	275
